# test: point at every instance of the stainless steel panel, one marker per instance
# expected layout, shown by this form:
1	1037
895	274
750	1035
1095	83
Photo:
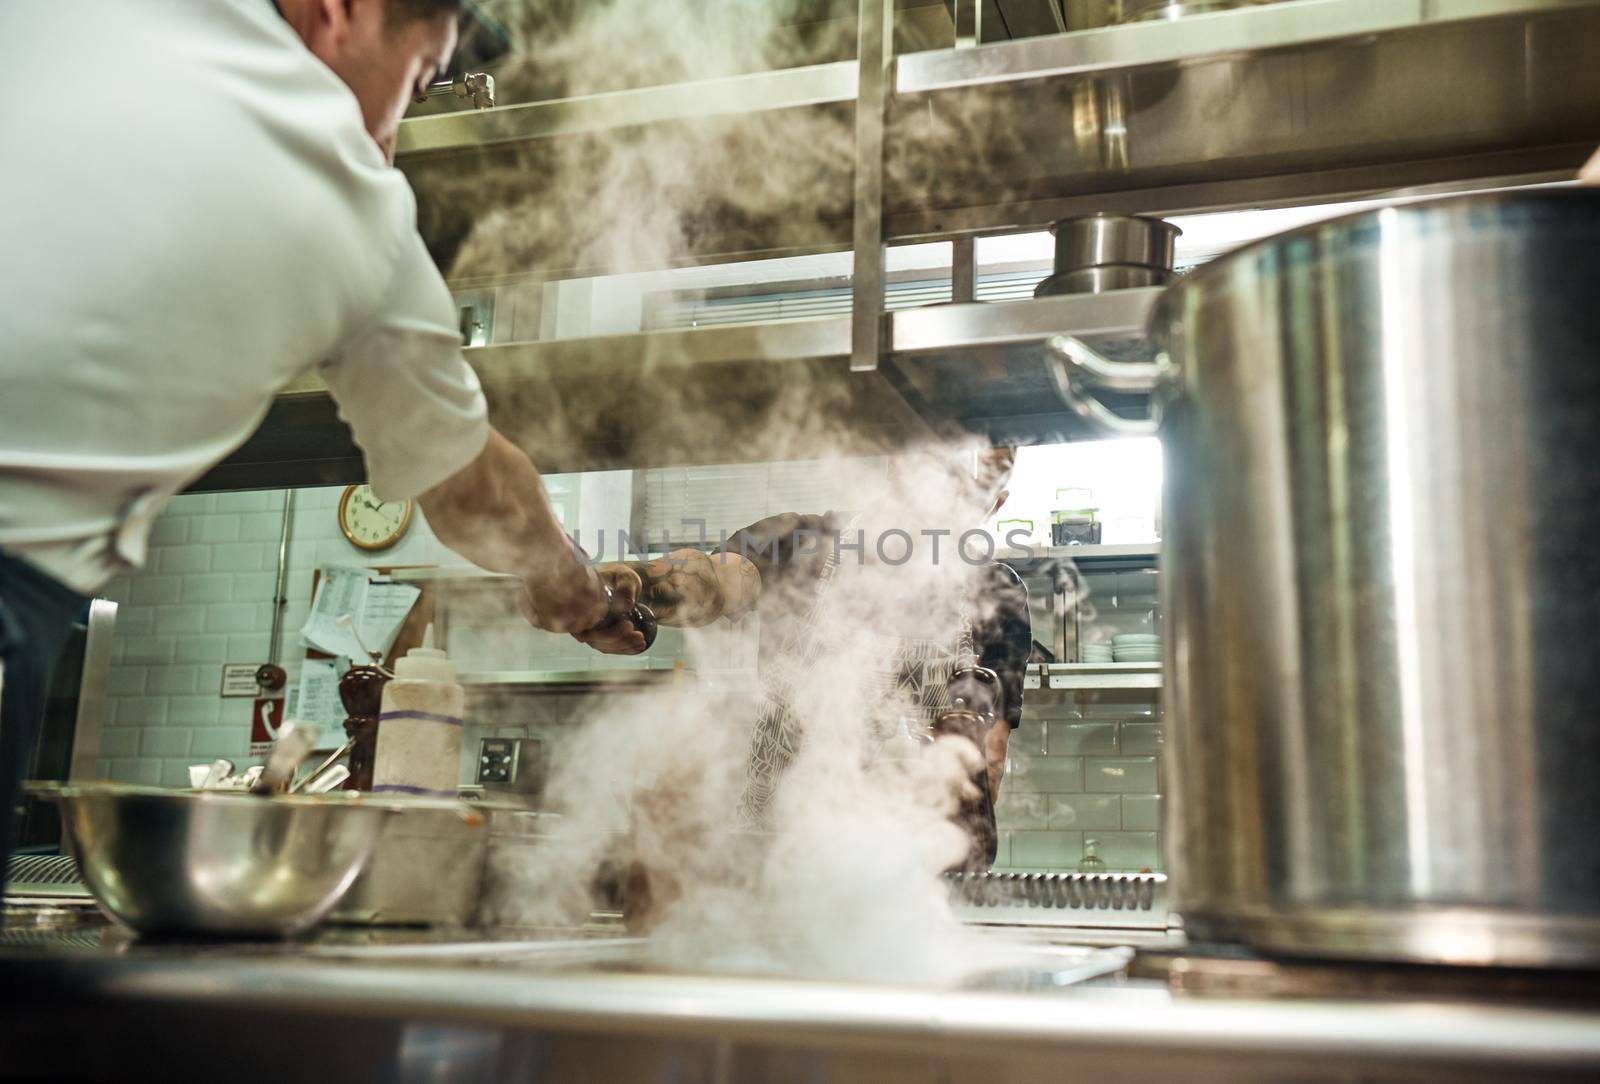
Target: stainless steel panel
91	718
875	48
1110	675
292	1016
427	869
1274	122
971	327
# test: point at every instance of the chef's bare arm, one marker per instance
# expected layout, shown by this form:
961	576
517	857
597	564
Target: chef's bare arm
495	513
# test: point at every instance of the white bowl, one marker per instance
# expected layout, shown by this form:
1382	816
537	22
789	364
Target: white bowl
1137	639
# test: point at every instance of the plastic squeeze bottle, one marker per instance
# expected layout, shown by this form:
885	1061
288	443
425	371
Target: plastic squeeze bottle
419	726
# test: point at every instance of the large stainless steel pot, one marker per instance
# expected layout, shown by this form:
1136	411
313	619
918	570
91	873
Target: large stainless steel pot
1383	581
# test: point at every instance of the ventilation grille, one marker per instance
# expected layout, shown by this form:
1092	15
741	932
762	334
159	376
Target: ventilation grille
44	875
1068	899
763	308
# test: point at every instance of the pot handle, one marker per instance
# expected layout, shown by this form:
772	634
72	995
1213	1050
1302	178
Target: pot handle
1078	369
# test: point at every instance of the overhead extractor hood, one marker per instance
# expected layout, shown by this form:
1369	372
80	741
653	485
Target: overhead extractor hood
1294	102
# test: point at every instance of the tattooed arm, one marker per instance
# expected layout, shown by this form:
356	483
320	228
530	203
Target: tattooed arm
686	589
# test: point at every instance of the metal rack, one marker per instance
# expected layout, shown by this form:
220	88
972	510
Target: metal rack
1292	102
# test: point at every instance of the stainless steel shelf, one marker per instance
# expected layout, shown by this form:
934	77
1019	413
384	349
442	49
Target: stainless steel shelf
1110	675
1151	550
760	92
979	367
618	680
972	327
1286	24
1299	100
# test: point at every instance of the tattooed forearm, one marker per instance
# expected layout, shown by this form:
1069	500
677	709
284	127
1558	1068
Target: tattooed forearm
690	589
682	589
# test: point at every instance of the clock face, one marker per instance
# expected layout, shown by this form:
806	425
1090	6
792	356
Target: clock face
370	523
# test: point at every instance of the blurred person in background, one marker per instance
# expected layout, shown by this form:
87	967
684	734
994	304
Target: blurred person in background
786	568
202	206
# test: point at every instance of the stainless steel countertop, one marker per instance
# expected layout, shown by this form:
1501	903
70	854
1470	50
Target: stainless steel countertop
562	987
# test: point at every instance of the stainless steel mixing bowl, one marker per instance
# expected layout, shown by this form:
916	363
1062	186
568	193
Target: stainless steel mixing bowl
217	863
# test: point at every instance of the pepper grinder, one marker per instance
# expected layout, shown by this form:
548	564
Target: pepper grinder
361	692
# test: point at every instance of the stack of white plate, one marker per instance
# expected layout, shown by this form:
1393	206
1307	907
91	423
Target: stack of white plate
1136	647
1094	653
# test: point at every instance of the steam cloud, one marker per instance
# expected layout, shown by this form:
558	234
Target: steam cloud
845	884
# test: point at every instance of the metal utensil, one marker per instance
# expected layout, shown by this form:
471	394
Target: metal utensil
295	741
328	780
640	616
308	783
1379	577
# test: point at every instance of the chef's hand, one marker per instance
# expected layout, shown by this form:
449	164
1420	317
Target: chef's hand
619	638
1590	174
568	597
947	770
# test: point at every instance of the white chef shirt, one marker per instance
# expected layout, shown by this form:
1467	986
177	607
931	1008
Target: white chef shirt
191	213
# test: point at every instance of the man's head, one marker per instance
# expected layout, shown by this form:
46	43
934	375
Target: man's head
384	50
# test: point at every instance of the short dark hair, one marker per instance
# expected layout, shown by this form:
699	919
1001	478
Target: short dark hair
405	11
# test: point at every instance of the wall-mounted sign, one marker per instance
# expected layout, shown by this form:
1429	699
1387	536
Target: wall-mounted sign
239	679
265	720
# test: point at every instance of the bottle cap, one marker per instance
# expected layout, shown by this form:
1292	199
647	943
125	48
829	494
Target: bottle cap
425	663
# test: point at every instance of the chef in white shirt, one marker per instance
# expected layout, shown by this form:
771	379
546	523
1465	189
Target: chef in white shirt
198	203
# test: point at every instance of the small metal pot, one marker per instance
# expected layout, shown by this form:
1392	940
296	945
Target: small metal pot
1100	252
1099	280
1102	238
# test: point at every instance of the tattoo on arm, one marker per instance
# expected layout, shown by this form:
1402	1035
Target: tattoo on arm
682	589
690	589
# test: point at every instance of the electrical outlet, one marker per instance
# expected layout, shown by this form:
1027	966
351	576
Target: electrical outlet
512	764
497	760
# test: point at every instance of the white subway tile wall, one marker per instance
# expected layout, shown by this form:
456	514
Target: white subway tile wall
1067	781
1081	766
205	599
1085	766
